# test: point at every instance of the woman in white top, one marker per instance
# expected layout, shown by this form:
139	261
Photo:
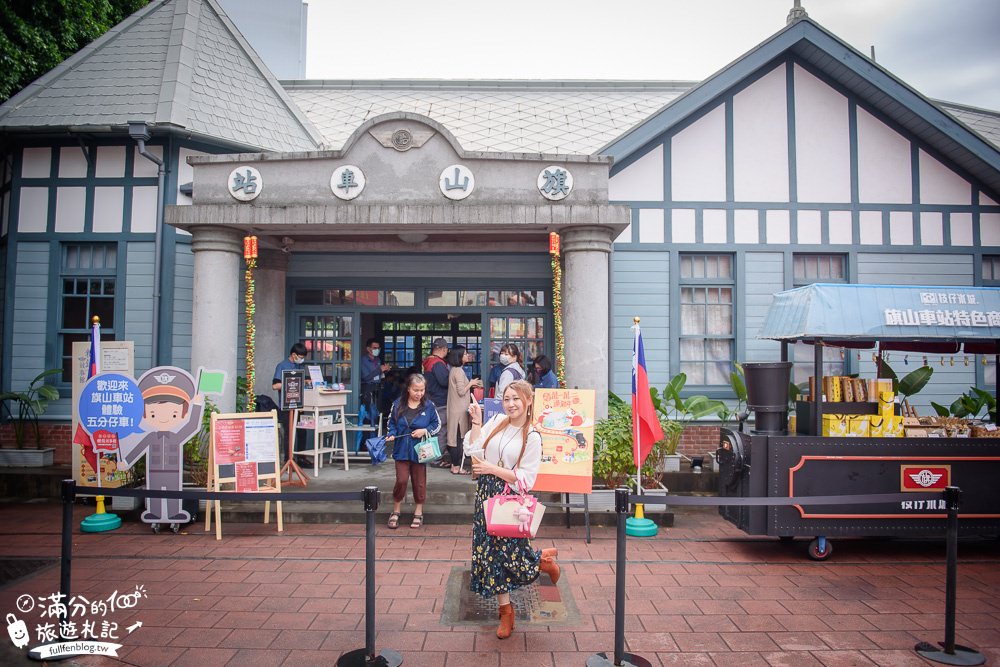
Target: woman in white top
510	358
505	451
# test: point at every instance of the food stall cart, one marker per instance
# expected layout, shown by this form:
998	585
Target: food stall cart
770	462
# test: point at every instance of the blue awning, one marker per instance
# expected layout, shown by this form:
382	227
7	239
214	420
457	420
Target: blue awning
890	313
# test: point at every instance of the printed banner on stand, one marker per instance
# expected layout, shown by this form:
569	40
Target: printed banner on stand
565	419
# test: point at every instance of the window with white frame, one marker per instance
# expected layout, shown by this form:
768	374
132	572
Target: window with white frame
808	268
707	338
88	279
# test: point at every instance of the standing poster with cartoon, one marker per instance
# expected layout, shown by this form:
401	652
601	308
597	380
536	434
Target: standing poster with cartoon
153	417
565	420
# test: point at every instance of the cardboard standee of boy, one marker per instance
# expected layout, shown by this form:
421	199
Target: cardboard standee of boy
171	415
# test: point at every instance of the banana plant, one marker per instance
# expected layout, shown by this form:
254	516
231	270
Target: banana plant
969	405
912	383
683	410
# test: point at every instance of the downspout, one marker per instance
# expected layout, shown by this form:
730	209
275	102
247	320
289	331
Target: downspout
140	132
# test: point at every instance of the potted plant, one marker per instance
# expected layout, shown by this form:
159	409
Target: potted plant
22	410
614	462
682	411
196	450
969	406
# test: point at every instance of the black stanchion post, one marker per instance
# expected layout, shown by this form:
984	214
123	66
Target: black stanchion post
621	658
68	496
952	654
366	656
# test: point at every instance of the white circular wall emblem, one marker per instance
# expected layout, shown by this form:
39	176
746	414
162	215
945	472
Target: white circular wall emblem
555	183
347	181
244	183
457	182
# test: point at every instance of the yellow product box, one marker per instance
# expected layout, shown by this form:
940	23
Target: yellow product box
886	427
835	426
831	387
886	406
858	426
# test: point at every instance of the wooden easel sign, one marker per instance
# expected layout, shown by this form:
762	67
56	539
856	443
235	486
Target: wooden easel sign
243	458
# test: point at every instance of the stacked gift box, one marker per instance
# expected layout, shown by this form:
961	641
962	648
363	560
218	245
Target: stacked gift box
866	408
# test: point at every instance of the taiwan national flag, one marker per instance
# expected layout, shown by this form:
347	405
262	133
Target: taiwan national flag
645	423
95	351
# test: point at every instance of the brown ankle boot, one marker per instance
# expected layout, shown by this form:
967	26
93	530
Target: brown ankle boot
506	621
548	565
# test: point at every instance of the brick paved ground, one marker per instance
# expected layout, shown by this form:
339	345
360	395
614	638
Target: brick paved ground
702	593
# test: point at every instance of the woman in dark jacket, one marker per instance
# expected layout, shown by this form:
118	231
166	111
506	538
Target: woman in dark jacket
412	418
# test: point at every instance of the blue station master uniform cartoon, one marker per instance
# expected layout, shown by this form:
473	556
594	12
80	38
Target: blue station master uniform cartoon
171	415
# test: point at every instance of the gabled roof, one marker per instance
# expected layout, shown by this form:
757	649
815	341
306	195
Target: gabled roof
179	64
982	121
555	117
852	70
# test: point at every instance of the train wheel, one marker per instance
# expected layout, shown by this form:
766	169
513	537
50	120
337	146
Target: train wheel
818	553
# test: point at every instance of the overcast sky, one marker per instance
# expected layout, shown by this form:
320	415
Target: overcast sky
946	49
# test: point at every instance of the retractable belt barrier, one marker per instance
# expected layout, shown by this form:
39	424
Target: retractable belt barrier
950	654
369	496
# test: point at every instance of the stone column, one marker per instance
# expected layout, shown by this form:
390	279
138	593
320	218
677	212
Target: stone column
271	347
218	252
586	259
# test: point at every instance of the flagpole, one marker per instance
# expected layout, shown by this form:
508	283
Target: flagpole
635	422
101	520
639	525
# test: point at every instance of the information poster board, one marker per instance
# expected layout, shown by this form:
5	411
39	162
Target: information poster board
565	420
292	389
117	356
244	458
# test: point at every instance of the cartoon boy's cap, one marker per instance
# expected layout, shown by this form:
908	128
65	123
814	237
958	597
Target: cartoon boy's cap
163	382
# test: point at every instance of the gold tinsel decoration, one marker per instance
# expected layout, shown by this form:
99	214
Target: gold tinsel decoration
250	254
557	308
251	332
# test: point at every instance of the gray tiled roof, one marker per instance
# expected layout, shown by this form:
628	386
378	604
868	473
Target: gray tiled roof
571	117
986	123
180	63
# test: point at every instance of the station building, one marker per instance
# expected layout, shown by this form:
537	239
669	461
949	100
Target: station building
411	210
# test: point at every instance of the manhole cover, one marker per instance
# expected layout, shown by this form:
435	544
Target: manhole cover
542	602
12	569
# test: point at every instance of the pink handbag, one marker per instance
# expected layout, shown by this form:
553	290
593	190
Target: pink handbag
513	514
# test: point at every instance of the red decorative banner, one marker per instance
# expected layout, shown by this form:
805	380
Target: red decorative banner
554	244
105	441
924	478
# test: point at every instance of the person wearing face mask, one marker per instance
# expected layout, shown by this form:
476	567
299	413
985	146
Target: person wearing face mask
372	374
510	359
296	357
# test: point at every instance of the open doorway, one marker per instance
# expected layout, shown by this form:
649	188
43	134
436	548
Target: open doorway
406	338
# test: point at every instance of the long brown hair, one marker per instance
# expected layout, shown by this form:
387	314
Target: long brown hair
525	391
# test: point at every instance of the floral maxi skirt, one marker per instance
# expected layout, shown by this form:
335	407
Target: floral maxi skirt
499	564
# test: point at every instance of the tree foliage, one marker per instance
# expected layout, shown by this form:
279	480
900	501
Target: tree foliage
37	35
